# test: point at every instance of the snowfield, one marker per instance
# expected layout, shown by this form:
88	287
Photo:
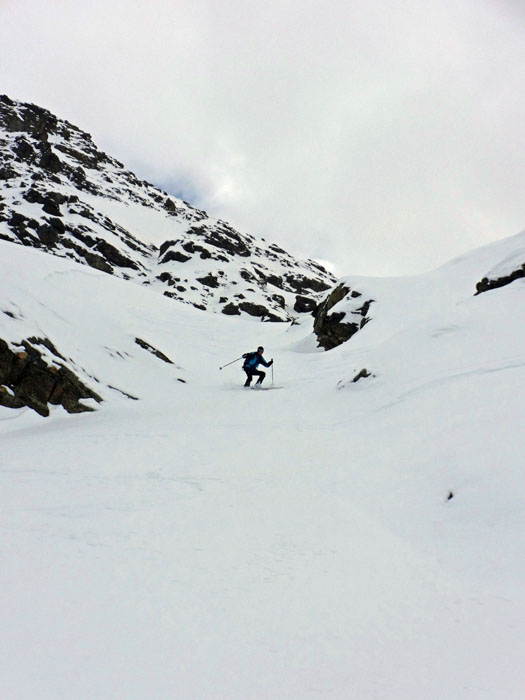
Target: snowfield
334	540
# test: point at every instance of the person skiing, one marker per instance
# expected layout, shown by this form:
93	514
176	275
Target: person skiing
251	361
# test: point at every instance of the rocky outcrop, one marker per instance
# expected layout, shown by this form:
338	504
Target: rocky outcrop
335	327
487	283
27	379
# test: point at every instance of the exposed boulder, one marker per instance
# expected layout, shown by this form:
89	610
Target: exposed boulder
209	281
170	206
231	309
259	311
23	149
362	374
50	161
48	234
27	379
334	328
7	173
175	256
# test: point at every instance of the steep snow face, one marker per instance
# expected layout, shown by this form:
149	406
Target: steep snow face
333	539
62	195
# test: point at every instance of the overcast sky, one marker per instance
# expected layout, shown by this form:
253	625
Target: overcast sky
384	136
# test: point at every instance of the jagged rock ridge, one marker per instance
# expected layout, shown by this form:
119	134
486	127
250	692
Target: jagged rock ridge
61	194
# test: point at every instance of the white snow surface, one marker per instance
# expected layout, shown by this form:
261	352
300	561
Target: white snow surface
207	542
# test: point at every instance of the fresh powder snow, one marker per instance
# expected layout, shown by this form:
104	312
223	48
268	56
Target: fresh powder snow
336	539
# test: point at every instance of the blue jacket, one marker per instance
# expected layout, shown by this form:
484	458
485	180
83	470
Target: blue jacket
253	359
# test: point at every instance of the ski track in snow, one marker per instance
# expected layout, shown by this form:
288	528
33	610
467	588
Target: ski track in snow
208	543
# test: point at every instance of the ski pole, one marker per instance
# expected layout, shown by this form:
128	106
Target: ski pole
272	373
231	363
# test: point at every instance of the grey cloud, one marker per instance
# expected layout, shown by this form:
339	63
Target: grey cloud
384	137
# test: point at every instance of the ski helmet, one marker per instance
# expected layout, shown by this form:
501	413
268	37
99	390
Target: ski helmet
260	348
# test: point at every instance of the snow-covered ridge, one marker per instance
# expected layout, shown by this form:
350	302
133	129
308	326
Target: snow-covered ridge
63	195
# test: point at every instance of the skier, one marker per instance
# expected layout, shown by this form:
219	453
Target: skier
251	360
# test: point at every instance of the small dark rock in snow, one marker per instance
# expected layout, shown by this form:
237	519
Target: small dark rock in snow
146	346
363	374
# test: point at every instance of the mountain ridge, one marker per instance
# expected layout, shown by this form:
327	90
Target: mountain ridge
62	194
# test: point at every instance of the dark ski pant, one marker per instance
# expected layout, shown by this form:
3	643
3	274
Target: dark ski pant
250	373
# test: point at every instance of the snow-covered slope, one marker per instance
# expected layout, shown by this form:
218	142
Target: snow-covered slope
332	539
353	302
59	193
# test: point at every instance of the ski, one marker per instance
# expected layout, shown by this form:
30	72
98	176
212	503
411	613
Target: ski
266	388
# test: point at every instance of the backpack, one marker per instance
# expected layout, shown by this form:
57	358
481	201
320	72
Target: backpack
248	359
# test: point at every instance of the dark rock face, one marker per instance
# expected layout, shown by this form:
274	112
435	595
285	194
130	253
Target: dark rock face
487	284
209	281
258	310
50	161
26	379
305	305
329	328
231	309
170	206
175	256
303	284
225	237
7	173
332	329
